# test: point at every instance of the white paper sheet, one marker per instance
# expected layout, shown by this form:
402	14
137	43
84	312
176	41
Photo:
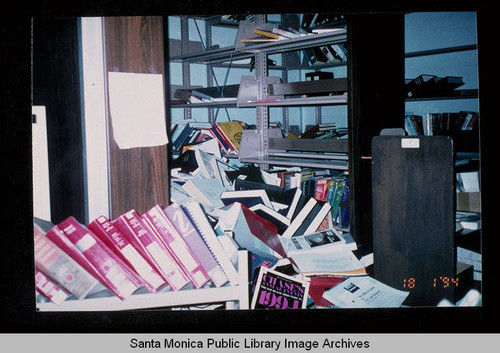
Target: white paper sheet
364	292
137	106
330	259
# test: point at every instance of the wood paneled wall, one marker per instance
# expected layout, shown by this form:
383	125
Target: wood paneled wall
138	176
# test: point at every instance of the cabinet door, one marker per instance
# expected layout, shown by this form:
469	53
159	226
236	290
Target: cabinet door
413	216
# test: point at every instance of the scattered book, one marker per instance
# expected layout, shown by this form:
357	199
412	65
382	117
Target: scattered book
206	191
248	173
364	292
314	218
337	261
319	285
274	290
281	222
312	242
248	230
232	130
249	198
300	218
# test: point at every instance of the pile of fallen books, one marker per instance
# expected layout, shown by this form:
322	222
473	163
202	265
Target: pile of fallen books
293	222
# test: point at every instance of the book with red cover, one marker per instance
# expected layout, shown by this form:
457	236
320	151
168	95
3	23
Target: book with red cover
133	228
263	230
193	239
60	266
111	236
49	288
174	242
216	130
321	284
114	273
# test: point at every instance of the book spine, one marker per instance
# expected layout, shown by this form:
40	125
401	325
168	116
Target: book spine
49	288
321	189
299	219
285	33
131	226
197	216
186	229
224	138
161	226
337	197
110	235
221	145
118	277
318	219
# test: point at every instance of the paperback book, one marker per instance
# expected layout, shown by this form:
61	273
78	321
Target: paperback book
160	225
194	240
274	290
199	219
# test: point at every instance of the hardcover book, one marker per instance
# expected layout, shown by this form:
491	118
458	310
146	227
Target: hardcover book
248	198
314	219
300	218
190	234
116	275
312	242
49	288
250	231
173	241
206	191
132	227
61	266
232	130
275	290
269	214
109	235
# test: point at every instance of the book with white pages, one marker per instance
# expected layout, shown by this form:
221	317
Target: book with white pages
301	216
198	217
314	242
329	261
365	292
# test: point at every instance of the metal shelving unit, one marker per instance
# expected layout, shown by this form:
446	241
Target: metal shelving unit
259	52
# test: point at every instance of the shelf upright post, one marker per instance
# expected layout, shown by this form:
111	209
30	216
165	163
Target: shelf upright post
284	76
210	74
262	111
186	74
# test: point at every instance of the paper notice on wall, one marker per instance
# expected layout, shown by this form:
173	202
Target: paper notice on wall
137	106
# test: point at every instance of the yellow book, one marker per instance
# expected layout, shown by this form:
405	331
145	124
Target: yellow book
232	130
266	33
